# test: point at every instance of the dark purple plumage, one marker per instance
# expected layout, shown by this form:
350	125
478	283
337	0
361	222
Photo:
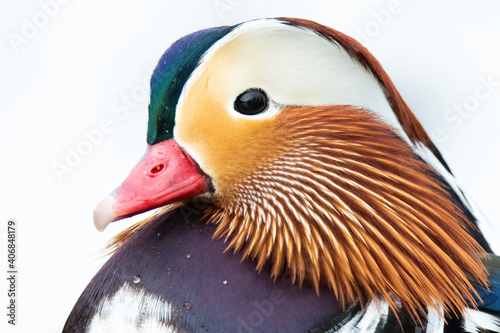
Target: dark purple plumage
178	261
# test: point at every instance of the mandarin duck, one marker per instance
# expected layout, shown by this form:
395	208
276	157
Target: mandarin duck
296	192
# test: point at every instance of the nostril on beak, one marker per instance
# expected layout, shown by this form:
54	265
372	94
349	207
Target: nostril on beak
157	169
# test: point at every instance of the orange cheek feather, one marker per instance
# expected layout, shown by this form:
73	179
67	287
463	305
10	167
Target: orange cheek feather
340	201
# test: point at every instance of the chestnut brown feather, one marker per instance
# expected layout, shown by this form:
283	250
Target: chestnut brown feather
407	119
345	203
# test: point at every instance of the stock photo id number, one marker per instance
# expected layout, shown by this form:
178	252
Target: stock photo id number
11	271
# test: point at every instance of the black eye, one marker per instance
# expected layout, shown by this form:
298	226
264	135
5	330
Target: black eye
251	102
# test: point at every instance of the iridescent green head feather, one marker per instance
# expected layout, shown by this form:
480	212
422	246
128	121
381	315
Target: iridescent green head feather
169	77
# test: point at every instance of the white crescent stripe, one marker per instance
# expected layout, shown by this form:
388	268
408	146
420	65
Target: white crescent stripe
131	310
475	320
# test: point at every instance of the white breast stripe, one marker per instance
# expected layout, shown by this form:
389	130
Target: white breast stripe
369	319
475	320
132	311
435	321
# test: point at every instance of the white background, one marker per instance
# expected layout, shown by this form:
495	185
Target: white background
77	67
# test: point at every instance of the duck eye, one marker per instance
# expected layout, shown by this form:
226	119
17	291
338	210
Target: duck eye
251	102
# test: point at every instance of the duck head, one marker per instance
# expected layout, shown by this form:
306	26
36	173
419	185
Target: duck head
309	160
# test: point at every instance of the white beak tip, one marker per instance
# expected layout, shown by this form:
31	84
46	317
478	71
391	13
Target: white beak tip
104	214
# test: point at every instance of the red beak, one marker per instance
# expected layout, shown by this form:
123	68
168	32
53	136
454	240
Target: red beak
165	174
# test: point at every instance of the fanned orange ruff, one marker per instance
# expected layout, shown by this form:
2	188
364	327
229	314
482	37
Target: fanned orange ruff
340	200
